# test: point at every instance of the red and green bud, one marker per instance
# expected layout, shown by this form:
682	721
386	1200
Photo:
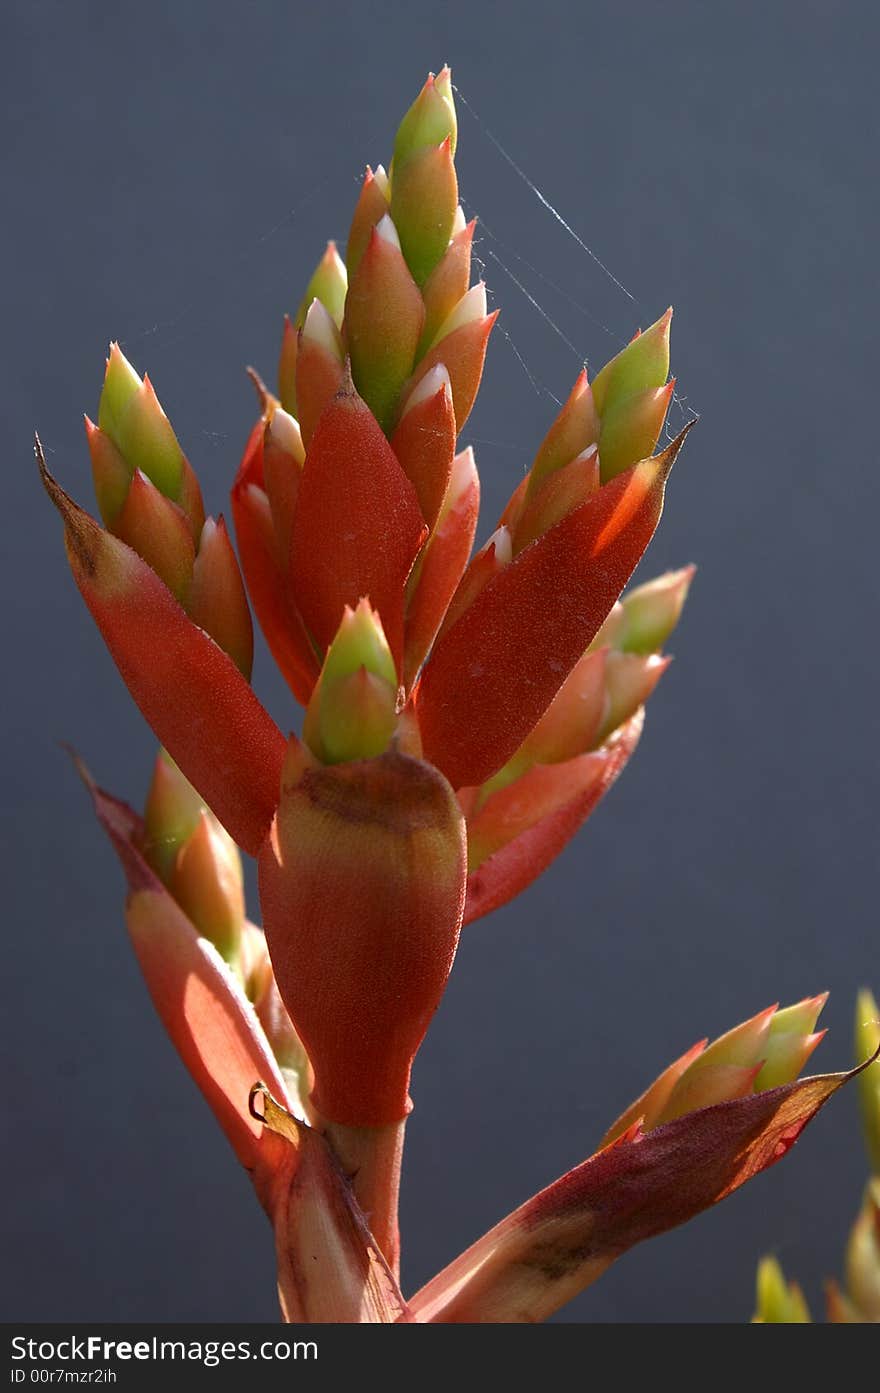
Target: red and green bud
372	205
731	1067
631	429
629	681
159	532
424	199
352	713
449	280
217	601
492	558
441	563
430	120
777	1301
384	316
283	459
328	285
867	1043
579	785
265	554
631	396
195	858
149	497
642	365
575	430
559	494
863	1257
790	1041
320	365
424	441
171	815
362	884
206	881
645	616
130	414
461	349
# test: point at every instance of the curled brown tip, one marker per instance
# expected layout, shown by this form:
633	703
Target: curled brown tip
259	1090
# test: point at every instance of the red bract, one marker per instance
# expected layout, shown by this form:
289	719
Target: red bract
464	715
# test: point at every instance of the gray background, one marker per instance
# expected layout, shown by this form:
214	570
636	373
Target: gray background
170	172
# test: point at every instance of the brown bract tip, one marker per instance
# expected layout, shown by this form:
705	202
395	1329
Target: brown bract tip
80	530
666	458
264	396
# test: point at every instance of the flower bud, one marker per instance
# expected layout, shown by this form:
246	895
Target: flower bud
447	283
329	284
430	120
171	815
569	727
384	315
283	458
372	205
790	1041
362	883
643	364
731	1067
470	309
462	351
631	429
352	712
206	881
159	532
217	601
489	562
863	1256
442	562
575	429
424	441
129	412
648	613
195	858
629	681
424	198
778	1302
867	1042
558	494
319	367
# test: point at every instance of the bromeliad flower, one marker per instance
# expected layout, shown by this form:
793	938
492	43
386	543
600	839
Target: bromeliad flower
464	712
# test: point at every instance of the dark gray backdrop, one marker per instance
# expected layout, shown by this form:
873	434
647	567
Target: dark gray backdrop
170	172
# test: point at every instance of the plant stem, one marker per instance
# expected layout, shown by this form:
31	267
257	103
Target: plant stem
371	1157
